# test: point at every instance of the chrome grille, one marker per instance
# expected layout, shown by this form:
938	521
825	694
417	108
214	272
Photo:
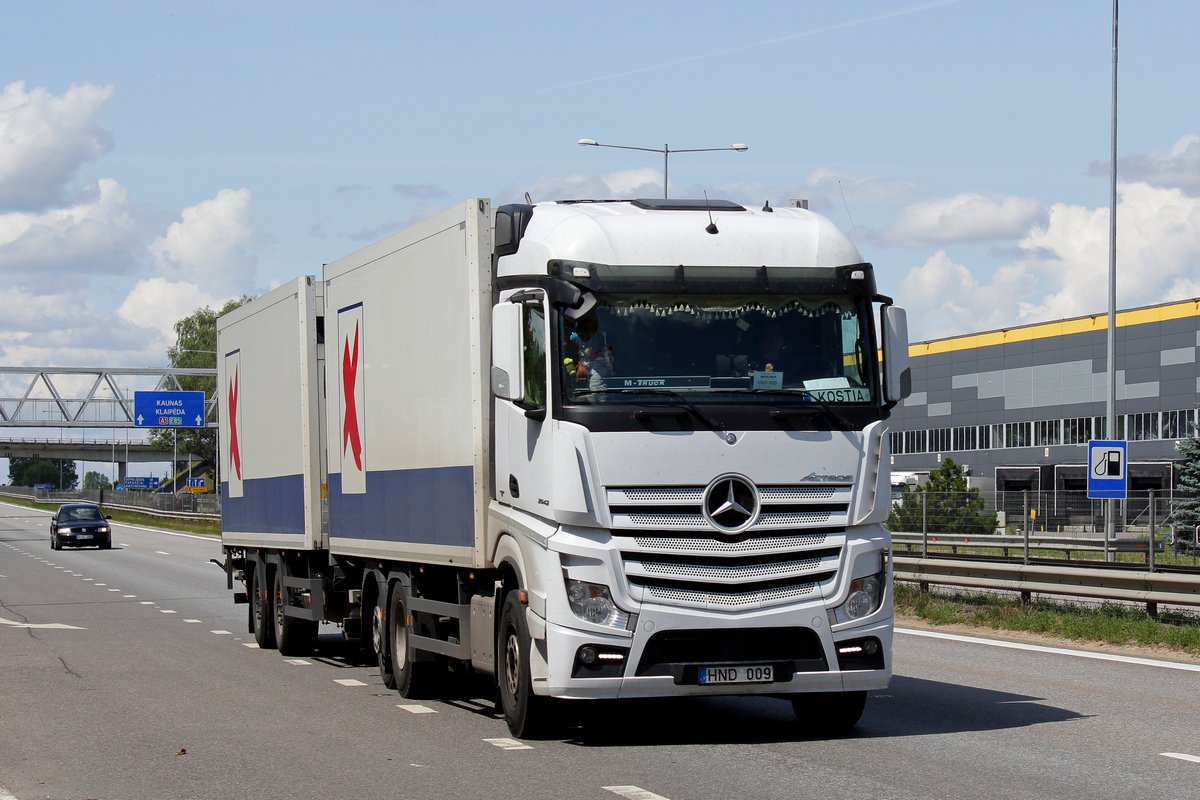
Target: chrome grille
671	554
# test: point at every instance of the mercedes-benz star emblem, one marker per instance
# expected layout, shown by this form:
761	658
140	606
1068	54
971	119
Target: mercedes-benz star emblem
731	503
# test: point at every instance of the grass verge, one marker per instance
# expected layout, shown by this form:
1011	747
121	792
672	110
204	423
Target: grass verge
1110	623
210	527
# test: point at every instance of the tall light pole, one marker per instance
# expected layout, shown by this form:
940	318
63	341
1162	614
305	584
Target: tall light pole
666	151
1110	416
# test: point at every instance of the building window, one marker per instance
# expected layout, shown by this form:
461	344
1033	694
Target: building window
1017	434
1047	432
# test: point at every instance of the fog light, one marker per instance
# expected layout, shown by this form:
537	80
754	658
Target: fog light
587	655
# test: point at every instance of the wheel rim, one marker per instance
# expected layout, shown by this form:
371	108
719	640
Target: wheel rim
377	629
512	663
400	642
258	603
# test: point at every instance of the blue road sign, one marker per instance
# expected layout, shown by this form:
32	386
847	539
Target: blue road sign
140	483
1107	472
168	409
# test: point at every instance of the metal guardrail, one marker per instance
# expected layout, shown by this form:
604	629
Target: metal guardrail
143	502
1125	585
1035	541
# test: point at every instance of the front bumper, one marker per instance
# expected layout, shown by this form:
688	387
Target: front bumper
797	642
84	539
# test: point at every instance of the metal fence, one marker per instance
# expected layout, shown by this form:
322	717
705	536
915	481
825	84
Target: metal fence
1046	512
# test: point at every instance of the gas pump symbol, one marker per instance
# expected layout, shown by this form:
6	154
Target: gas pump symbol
1109	464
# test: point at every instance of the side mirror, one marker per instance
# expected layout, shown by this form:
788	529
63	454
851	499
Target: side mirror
508	380
897	377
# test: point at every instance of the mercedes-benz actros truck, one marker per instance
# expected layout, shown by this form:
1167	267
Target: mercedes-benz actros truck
593	449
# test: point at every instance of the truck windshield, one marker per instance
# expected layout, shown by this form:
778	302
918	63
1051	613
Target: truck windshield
718	349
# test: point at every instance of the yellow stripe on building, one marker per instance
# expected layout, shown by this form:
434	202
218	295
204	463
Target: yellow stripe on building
1047	330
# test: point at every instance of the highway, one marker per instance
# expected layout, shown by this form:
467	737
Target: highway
128	674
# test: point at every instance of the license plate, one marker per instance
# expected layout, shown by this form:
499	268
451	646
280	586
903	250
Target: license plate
83	536
711	675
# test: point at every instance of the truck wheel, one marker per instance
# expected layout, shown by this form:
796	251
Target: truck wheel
293	636
260	612
829	712
412	677
379	637
528	716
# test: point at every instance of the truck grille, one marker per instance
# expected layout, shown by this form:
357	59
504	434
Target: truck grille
671	554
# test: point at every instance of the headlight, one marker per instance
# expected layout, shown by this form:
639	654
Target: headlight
592	602
101	530
865	596
64	530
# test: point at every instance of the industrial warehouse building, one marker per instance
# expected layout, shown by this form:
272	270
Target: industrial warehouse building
1017	407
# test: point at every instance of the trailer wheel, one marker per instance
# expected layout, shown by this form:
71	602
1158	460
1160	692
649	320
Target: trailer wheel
260	611
379	637
412	677
829	712
293	636
528	716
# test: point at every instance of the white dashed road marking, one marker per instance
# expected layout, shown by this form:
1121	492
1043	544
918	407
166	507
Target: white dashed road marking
54	626
1182	757
349	682
162	552
167	611
508	744
252	645
633	793
222	633
192	620
298	662
417	709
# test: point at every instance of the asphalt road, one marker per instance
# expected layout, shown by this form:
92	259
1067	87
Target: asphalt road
129	674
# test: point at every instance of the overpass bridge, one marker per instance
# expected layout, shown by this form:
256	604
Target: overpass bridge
88	397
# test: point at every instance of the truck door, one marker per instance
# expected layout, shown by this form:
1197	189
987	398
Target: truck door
523	435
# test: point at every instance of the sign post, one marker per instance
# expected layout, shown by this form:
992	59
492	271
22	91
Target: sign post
1108	475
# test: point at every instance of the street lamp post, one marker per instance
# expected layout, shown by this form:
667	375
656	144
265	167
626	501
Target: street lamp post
666	151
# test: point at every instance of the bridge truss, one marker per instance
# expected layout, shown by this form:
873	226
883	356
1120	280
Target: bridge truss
87	397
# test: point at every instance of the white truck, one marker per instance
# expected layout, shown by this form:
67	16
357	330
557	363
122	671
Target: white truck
595	449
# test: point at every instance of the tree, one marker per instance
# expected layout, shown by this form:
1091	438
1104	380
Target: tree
1185	510
943	505
59	473
195	348
95	480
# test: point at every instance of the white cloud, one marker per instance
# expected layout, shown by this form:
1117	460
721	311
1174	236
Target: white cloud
158	304
210	245
96	234
944	298
1063	269
63	328
1177	167
968	217
625	184
44	140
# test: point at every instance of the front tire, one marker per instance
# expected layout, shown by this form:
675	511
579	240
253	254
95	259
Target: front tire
829	712
260	611
54	543
293	636
528	716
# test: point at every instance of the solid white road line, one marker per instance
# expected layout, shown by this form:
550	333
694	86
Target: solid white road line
1058	651
1182	757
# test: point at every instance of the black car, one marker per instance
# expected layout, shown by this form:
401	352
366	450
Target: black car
79	525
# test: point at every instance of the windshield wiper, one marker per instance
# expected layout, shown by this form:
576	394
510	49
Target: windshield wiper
716	426
809	398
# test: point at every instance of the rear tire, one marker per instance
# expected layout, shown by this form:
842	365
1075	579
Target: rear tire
260	611
829	712
293	636
528	715
379	641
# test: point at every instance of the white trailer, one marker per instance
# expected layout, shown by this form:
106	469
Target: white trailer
596	449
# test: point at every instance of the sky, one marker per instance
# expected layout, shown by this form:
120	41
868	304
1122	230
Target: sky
157	157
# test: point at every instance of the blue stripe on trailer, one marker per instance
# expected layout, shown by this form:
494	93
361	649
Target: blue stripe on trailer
420	506
267	505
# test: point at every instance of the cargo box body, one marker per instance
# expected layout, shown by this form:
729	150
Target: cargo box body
269	379
407	395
